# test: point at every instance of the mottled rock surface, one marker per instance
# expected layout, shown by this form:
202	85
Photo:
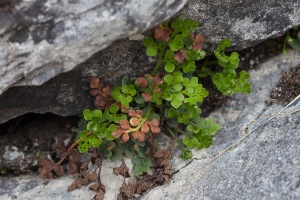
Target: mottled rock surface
34	49
245	22
265	165
41	39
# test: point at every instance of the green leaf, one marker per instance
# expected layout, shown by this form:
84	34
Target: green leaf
139	99
169	67
177	101
178	78
114	108
97	113
178	87
169	54
168	78
149	41
87	114
190	67
151	51
193	128
89	125
226	42
186	155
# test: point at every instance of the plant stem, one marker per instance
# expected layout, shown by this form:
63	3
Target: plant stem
144	119
159	59
69	150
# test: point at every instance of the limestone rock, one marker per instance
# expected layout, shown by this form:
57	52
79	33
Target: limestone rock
41	39
263	166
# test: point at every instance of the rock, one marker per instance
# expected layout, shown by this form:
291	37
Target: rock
68	93
41	39
264	165
245	22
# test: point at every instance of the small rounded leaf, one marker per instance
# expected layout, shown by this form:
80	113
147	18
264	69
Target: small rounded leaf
151	51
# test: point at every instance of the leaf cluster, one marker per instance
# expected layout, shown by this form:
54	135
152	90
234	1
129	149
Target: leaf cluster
167	101
227	80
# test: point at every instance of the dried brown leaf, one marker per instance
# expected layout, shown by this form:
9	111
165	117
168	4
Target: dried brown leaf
58	170
106	90
74	155
59	148
121	170
93	176
99	101
72	187
72	167
94	83
94	187
94	92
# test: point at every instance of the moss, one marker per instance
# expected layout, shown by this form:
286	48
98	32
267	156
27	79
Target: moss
287	88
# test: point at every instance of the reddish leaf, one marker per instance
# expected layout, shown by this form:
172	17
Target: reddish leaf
124	124
154	129
141	82
162	33
135	113
145	128
198	42
147	96
118	132
124	108
139	135
134	121
125	137
197	46
99	101
179	57
106	90
154	122
199	39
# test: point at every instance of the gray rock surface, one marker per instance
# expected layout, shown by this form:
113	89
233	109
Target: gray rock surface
245	22
41	39
265	165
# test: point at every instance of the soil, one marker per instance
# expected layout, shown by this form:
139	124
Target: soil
25	139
